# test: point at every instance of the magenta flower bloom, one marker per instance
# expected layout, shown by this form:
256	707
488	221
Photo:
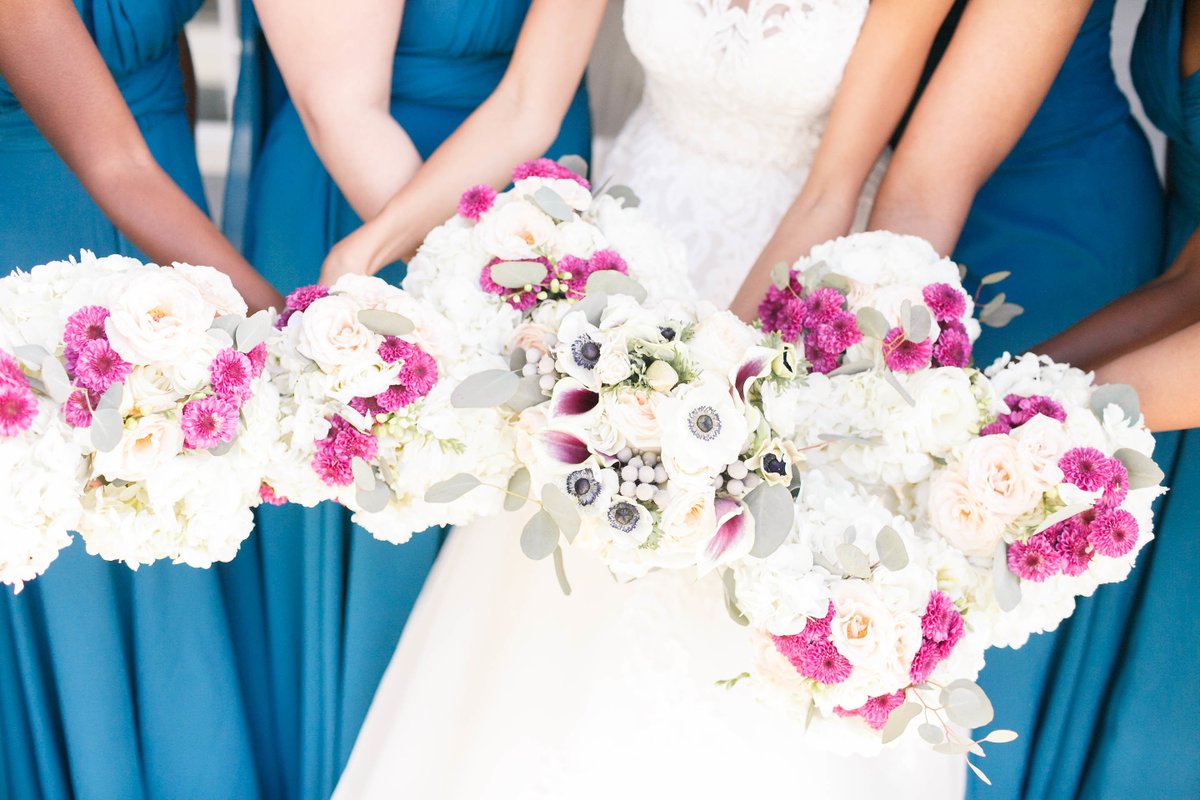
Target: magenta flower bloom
607	259
332	469
953	349
1040	404
258	359
10	371
1034	559
394	398
305	296
476	201
18	409
231	372
268	496
419	373
813	654
565	448
945	302
367	406
348	442
1113	533
823	305
1087	468
901	355
941	629
837	333
99	367
579	270
1073	546
875	712
85	325
784	313
522	301
545	168
208	422
77	411
1117	488
819	360
999	426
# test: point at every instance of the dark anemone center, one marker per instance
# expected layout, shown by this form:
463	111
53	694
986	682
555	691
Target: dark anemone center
623	516
586	352
774	464
668	333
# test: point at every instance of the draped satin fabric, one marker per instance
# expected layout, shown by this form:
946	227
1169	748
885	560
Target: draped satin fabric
327	601
113	683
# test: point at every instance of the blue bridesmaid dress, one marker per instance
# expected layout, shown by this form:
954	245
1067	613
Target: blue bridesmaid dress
334	599
1147	746
1075	212
113	683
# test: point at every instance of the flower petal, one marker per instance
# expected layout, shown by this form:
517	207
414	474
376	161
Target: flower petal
565	447
734	536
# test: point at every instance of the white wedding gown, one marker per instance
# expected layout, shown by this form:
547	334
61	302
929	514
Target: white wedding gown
502	687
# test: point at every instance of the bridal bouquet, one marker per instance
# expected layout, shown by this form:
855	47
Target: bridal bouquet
158	371
365	373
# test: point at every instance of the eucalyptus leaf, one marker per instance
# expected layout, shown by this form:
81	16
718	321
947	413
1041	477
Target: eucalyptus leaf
898	721
1118	394
1143	472
553	204
112	397
994	277
563	509
962	272
529	393
518	490
893	554
853	368
1005	584
1000	736
854	561
518	274
539	538
560	572
592	306
835	280
254	330
451	489
917	323
374	500
1000	316
890	377
611	282
931	733
949	748
731	606
994	303
107	429
966	704
222	448
516	359
56	380
773	511
827	565
781	275
627	196
979	773
577	165
228	323
849	535
364	476
872	322
31	354
356	418
385	323
487	389
1063	514
221	337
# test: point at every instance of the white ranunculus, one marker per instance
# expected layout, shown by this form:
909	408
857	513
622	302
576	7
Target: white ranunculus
146	444
688	519
635	413
331	335
215	287
1001	476
156	317
946	413
517	230
704	430
958	515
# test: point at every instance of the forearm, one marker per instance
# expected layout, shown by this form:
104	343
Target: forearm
907	203
1166	376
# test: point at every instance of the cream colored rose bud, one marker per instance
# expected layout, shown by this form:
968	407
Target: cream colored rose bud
661	376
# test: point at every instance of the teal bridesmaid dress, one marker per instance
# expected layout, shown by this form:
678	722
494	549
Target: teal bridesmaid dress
334	599
1147	745
113	683
1076	213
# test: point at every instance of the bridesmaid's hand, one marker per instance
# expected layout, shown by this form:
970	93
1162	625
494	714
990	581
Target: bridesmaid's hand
354	255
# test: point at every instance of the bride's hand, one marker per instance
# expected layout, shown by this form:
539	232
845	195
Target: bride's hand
354	255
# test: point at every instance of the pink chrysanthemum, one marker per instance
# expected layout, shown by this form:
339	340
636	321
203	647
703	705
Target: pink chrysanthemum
1087	468
607	259
579	270
305	296
901	355
348	442
208	422
1117	488
230	372
392	349
1040	404
258	359
1113	533
875	712
999	426
1073	546
944	301
332	469
419	373
941	628
784	313
395	398
85	325
268	496
819	360
367	406
99	367
18	409
77	411
813	654
545	168
1034	559
823	305
522	301
838	333
476	201
10	371
953	349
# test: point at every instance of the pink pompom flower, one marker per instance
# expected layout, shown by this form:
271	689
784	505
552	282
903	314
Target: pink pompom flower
268	496
11	372
258	359
18	409
231	373
520	300
953	349
303	297
1034	559
941	629
901	355
545	168
875	711
1113	533
99	367
944	301
812	652
784	313
838	333
208	422
823	305
85	325
1086	468
1071	541
998	427
476	201
77	411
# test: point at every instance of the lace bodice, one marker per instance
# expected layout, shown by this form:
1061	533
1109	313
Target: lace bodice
748	82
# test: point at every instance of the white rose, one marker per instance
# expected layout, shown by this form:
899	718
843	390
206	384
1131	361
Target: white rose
689	518
946	413
1001	476
872	632
577	238
146	444
957	514
517	230
704	430
1044	441
192	371
331	335
635	414
215	287
156	316
572	191
613	366
720	339
147	391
